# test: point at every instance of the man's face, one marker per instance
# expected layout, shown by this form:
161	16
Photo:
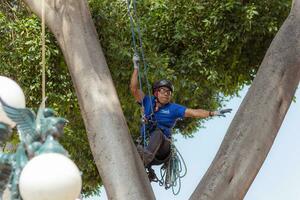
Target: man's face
164	95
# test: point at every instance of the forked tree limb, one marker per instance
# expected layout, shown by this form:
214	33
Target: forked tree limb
114	153
257	122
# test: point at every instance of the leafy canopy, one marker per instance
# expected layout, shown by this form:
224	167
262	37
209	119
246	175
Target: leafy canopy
209	49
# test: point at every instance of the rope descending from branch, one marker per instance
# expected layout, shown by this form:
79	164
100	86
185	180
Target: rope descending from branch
137	44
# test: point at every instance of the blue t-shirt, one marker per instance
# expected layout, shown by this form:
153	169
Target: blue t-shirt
166	116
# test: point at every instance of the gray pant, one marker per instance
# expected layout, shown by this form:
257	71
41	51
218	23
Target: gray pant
158	149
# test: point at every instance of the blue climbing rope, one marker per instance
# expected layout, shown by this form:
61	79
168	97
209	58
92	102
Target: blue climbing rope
138	51
173	171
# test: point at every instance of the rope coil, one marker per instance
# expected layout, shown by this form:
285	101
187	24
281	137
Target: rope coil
173	171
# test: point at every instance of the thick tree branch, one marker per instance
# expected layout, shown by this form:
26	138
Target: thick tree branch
256	124
115	155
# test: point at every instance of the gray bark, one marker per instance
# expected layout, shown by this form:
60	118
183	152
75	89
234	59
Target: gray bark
115	155
256	124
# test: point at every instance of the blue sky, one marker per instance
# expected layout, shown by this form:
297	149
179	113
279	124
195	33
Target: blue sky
278	179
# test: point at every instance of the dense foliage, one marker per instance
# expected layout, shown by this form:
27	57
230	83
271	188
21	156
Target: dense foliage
20	53
209	49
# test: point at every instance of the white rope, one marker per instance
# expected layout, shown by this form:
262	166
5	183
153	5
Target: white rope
43	55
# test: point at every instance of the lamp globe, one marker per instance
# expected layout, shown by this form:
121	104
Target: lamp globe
11	93
50	176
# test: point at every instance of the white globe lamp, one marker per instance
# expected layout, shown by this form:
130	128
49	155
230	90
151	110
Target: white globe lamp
50	176
11	93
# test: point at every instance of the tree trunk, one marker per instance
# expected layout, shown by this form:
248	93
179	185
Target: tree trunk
115	155
255	126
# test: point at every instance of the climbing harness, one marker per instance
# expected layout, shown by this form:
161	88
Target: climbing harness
174	167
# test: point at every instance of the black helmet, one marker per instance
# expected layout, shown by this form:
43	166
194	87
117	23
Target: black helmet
162	83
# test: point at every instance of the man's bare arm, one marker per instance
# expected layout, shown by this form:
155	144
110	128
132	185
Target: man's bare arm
200	113
134	83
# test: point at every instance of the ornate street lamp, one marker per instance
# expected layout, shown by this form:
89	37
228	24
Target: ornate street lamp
40	168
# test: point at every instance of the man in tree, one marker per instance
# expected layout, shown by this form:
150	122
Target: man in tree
160	116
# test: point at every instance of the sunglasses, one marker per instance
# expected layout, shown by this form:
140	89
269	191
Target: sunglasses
165	91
